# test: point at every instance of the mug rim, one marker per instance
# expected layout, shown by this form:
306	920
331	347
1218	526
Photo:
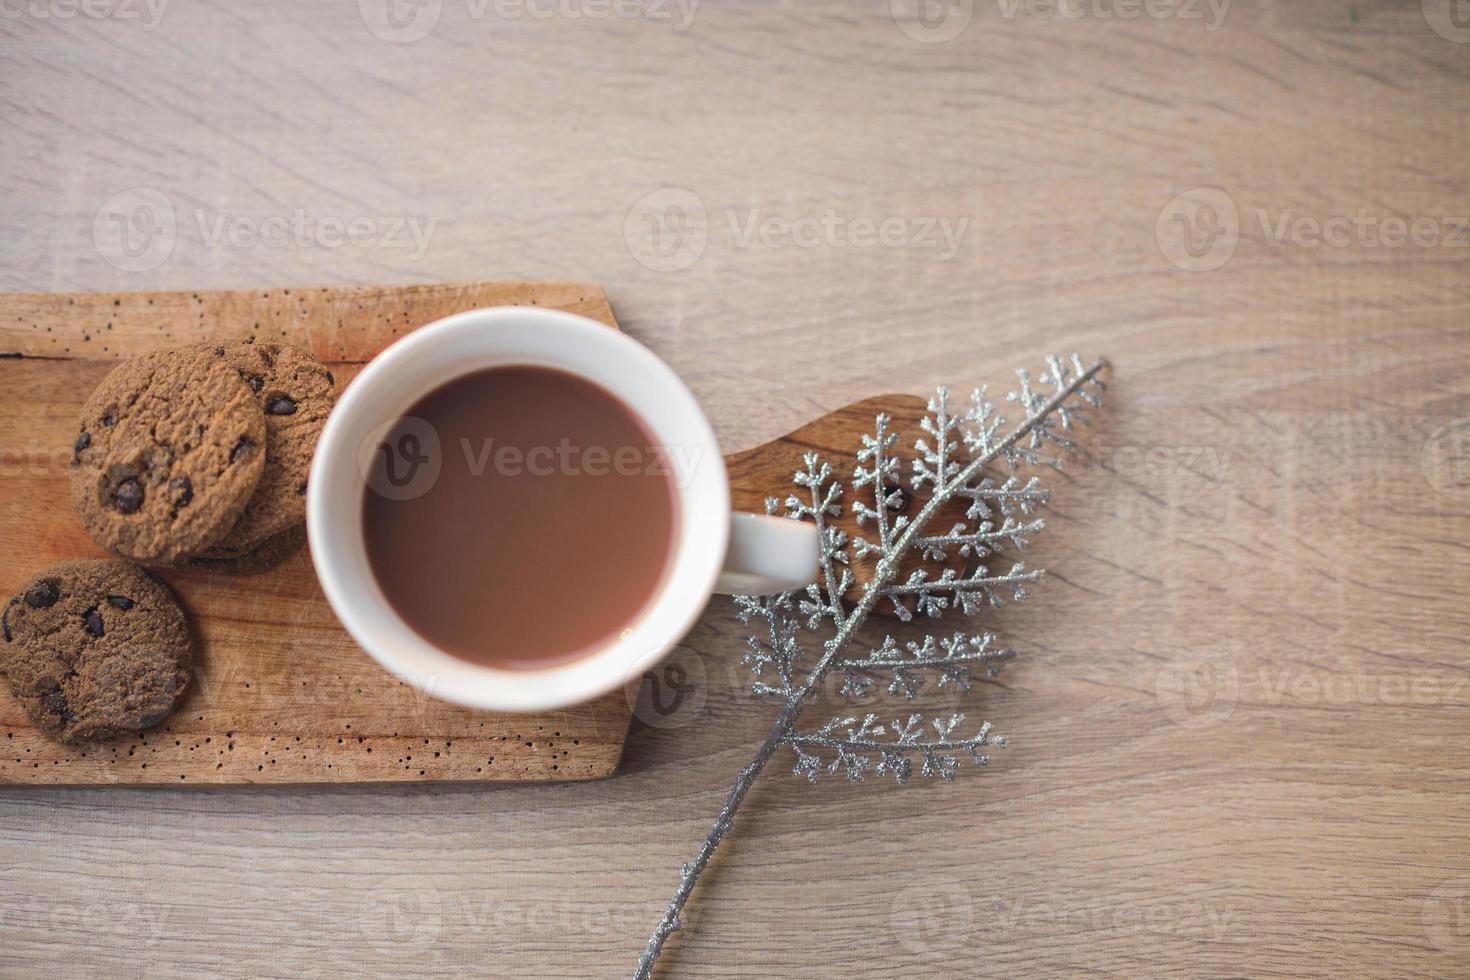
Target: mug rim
354	597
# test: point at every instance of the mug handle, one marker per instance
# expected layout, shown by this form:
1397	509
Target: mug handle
768	555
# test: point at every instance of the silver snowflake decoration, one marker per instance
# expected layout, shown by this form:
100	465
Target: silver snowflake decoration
951	463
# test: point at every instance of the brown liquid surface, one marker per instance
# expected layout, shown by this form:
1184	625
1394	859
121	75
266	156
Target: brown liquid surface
547	531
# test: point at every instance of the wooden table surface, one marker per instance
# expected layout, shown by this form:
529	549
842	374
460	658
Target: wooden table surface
1240	736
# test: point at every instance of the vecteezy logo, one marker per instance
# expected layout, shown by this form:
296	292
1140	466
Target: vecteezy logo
932	21
400	21
1199	688
401	912
1199	230
670	694
136	229
1450	19
401	458
667	230
1446	457
1446	917
933	917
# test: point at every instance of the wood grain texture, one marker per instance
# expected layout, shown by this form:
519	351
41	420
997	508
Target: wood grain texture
1255	511
341	325
281	693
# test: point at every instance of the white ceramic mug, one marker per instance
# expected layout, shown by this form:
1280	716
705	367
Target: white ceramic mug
714	549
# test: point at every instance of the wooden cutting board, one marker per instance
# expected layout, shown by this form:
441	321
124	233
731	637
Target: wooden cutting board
281	694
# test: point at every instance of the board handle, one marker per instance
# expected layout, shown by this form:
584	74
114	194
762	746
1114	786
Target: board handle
768	555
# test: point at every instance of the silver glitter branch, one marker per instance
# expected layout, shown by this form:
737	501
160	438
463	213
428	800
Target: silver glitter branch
948	462
954	659
857	750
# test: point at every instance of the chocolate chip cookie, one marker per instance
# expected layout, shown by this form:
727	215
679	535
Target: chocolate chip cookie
94	649
295	394
170	448
262	558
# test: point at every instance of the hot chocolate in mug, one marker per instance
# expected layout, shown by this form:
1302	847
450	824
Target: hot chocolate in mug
521	509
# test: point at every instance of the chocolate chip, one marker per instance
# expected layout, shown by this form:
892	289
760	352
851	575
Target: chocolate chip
55	703
285	405
119	602
5	622
301	490
83	441
219	352
255	381
183	489
127	496
331	380
92	621
109	420
43	595
241	448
